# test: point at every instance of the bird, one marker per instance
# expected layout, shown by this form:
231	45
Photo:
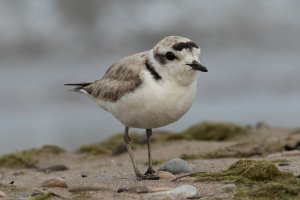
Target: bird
148	90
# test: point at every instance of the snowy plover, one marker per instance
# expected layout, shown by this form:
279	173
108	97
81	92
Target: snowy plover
149	89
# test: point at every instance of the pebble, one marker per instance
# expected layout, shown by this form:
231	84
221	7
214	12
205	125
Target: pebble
87	188
291	153
53	168
187	179
55	182
227	188
136	189
119	149
176	166
2	194
160	189
262	125
283	164
181	192
165	175
274	155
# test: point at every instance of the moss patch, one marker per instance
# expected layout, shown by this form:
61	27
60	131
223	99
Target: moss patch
18	160
295	131
210	131
246	171
49	149
213	131
272	190
113	145
240	150
257	179
45	196
27	158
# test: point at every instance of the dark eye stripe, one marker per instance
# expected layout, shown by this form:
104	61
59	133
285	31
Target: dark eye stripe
184	45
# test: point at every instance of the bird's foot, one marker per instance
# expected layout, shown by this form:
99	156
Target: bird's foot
150	171
146	177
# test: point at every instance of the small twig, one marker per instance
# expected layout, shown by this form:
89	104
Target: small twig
186	175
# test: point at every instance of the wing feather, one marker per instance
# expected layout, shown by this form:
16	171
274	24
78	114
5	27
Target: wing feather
121	78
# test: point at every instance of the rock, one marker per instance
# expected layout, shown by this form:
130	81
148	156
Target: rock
87	188
181	192
274	155
2	194
55	182
165	175
262	125
136	189
53	168
176	166
227	188
291	153
292	146
119	149
160	189
283	164
187	179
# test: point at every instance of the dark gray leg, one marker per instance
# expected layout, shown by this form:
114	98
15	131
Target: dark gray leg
128	146
136	170
150	170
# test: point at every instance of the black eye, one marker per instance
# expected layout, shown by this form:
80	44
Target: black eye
170	56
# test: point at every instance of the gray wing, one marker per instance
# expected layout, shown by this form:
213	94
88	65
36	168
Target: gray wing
121	78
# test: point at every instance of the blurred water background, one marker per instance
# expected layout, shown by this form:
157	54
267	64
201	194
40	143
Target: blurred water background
251	49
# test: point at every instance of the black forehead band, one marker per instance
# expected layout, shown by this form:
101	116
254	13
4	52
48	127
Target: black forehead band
184	45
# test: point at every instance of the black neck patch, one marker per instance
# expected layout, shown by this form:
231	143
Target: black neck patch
184	45
152	70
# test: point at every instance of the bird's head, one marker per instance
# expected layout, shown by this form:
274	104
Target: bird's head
177	58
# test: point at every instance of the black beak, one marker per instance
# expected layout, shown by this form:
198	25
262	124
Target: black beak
197	66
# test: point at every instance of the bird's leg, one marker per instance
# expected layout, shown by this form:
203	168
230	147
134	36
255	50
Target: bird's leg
136	170
128	146
150	170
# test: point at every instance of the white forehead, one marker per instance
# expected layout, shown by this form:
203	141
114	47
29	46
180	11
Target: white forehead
167	44
169	41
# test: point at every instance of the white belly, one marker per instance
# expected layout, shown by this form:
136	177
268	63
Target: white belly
152	105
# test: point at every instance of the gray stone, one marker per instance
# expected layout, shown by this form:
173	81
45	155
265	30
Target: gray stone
181	192
227	188
2	194
165	175
55	182
135	189
87	188
176	166
53	168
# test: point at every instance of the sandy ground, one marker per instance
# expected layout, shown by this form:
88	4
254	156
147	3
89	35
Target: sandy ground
114	172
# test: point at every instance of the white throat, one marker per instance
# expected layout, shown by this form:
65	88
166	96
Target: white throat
183	77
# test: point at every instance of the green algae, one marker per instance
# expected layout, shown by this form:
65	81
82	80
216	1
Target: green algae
239	150
257	179
18	160
210	131
246	171
46	196
28	158
213	131
113	145
49	149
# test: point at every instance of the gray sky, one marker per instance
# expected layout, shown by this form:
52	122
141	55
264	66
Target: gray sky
251	49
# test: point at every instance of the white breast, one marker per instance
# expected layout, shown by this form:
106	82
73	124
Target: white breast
153	104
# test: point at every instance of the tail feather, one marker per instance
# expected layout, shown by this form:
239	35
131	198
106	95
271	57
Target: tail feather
80	86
